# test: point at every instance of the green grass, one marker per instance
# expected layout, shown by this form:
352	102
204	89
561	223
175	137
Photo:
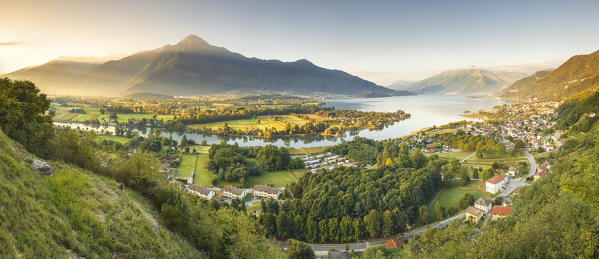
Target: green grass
305	150
265	121
187	165
277	178
451	197
481	165
126	117
119	139
440	131
456	155
498	160
203	176
75	211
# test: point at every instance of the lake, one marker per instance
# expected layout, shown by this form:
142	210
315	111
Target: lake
426	111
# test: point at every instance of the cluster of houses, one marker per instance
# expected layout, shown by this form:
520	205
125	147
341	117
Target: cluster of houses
229	192
167	163
483	207
527	122
327	160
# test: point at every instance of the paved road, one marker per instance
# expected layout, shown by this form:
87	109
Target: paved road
363	245
516	183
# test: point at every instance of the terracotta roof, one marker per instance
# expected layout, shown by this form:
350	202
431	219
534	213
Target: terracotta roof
542	173
394	243
233	190
266	189
201	189
482	201
496	179
474	211
501	210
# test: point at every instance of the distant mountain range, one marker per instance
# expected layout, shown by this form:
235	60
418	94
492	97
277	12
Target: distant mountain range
462	81
193	67
578	74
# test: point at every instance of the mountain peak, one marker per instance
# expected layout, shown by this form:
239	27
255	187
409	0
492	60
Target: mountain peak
192	41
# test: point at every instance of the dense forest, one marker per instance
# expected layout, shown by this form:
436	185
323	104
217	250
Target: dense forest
232	163
346	204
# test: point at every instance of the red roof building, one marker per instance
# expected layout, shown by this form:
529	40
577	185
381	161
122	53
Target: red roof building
500	212
394	243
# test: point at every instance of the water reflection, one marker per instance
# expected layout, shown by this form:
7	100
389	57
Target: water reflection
426	111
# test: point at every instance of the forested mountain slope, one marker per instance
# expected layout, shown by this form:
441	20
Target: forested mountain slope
579	74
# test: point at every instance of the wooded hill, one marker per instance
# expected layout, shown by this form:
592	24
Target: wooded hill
579	74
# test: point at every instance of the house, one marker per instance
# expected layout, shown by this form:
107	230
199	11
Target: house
495	184
234	192
473	214
394	243
513	171
540	175
499	212
201	191
266	192
483	204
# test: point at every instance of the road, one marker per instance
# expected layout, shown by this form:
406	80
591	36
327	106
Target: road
363	245
517	183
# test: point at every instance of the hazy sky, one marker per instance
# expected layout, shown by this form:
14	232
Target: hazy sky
382	41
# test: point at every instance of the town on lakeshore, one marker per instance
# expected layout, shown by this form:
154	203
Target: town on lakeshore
299	129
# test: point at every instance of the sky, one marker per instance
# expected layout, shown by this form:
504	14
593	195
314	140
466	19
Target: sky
381	41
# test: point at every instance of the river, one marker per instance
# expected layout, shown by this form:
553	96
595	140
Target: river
426	111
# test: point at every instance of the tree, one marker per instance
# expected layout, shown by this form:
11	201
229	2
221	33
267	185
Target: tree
283	225
24	115
423	215
373	223
183	143
466	200
299	250
437	211
388	223
464	178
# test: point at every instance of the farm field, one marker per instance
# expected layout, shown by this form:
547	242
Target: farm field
440	131
93	113
203	176
451	197
187	165
277	178
260	123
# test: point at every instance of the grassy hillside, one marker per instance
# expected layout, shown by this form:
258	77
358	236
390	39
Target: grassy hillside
577	75
75	212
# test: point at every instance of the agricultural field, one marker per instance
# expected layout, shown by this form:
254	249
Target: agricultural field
93	113
451	197
260	123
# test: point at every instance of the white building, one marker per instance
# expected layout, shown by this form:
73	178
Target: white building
266	192
234	192
495	184
512	171
483	204
201	191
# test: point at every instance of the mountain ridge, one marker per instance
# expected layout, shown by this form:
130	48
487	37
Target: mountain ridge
578	74
194	67
463	81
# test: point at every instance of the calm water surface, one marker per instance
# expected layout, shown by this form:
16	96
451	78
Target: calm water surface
426	111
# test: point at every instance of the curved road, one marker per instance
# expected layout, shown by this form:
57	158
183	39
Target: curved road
361	246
